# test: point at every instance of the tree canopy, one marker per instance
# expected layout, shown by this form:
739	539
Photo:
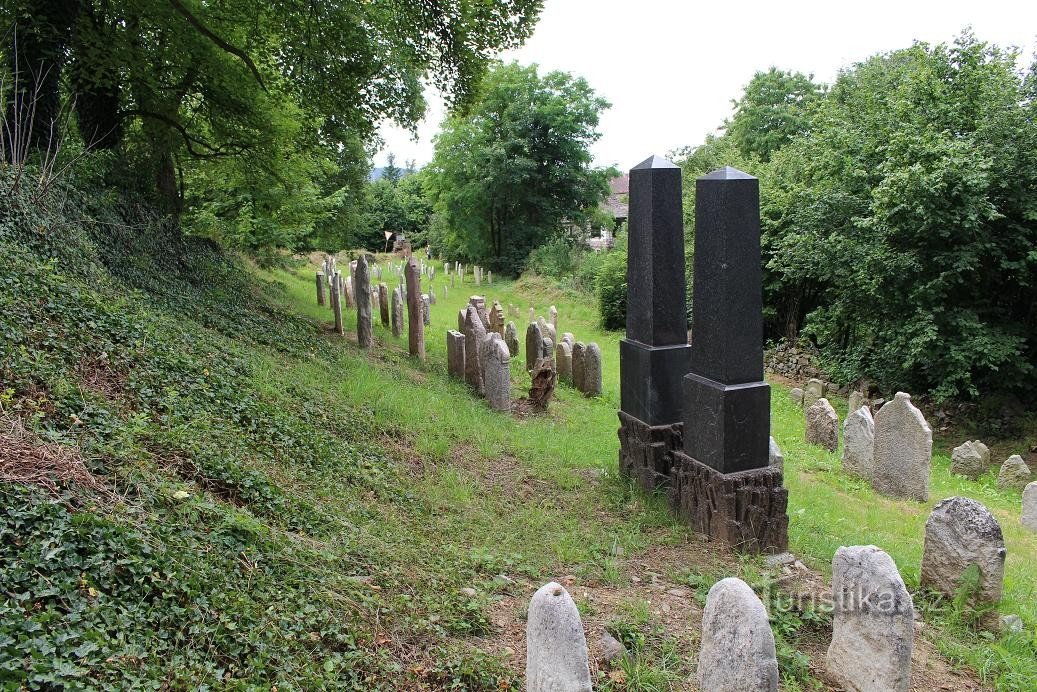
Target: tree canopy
517	168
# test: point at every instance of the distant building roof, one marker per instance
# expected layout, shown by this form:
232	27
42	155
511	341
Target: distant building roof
616	203
620	185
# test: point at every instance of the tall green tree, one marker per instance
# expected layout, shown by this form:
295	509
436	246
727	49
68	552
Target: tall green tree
774	108
517	168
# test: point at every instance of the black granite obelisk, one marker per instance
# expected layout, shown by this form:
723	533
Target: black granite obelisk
655	354
722	480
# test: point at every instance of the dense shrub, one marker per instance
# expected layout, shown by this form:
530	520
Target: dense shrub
612	289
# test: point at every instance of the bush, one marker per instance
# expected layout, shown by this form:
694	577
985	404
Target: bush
574	266
611	285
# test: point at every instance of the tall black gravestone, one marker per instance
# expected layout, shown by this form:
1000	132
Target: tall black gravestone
655	353
722	482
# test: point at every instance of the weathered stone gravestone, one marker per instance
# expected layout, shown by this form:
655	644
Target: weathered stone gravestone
455	356
415	324
564	361
737	652
556	647
495	360
873	622
1029	513
815	389
592	371
903	450
474	331
722	483
532	315
534	345
383	303
1014	473
479	303
336	303
397	312
320	288
855	401
796	394
569	338
496	318
548	349
552	316
426	309
859	443
579	362
349	286
511	338
460	319
364	335
775	458
822	425
967	460
959	533
431	296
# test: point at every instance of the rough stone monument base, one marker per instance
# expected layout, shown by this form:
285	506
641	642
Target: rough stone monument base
746	509
646	451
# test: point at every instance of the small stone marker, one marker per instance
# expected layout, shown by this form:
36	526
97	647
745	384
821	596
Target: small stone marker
552	316
967	460
859	443
511	338
737	653
479	303
364	335
1029	514
534	345
855	401
496	318
426	309
397	312
320	288
564	361
347	287
1014	473
796	394
873	623
474	331
383	303
579	364
495	361
415	324
336	303
592	371
569	338
959	533
455	343
548	349
556	647
775	458
532	315
903	450
431	296
815	389
460	319
822	426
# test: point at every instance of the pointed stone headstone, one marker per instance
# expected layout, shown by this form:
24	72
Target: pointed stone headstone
364	334
556	647
474	331
737	652
873	623
397	312
859	443
552	316
495	361
415	322
822	425
903	450
534	345
966	460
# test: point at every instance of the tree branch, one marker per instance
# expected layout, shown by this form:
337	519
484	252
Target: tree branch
233	50
189	139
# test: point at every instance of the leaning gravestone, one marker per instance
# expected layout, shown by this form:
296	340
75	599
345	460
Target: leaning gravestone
397	312
474	331
556	648
495	361
859	443
383	303
1014	473
320	288
579	363
737	652
415	324
967	460
903	450
1029	514
959	533
564	361
455	342
873	622
592	371
815	389
722	483
534	345
511	338
822	427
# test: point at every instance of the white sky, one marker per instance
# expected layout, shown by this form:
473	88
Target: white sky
672	68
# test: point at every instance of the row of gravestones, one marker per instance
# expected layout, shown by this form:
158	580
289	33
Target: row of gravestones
873	614
893	450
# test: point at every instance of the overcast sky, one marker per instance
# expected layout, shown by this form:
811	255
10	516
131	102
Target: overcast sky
671	68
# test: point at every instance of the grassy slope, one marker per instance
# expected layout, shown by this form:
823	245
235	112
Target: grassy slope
294	512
